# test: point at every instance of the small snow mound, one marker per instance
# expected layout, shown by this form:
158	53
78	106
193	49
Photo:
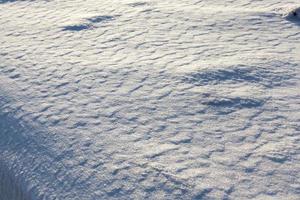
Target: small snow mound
293	14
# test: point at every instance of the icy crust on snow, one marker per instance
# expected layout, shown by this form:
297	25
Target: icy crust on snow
149	100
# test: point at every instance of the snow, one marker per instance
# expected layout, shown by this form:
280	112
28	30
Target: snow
149	99
293	14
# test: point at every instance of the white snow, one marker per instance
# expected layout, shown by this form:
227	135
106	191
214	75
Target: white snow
174	99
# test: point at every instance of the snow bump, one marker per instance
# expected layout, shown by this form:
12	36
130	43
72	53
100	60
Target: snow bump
293	15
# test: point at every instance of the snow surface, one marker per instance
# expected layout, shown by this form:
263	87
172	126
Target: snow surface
173	99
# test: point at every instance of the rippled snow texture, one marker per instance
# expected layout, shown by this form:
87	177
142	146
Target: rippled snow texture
181	99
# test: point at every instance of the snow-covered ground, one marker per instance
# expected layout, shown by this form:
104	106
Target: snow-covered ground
158	99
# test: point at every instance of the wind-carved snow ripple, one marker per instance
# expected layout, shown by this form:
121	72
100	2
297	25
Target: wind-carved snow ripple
269	76
131	132
237	102
138	4
89	23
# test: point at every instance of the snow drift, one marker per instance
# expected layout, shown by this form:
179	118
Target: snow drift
174	99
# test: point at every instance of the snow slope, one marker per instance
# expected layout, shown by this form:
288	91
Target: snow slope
174	99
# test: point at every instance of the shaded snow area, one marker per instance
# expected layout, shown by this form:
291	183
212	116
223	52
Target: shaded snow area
158	99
